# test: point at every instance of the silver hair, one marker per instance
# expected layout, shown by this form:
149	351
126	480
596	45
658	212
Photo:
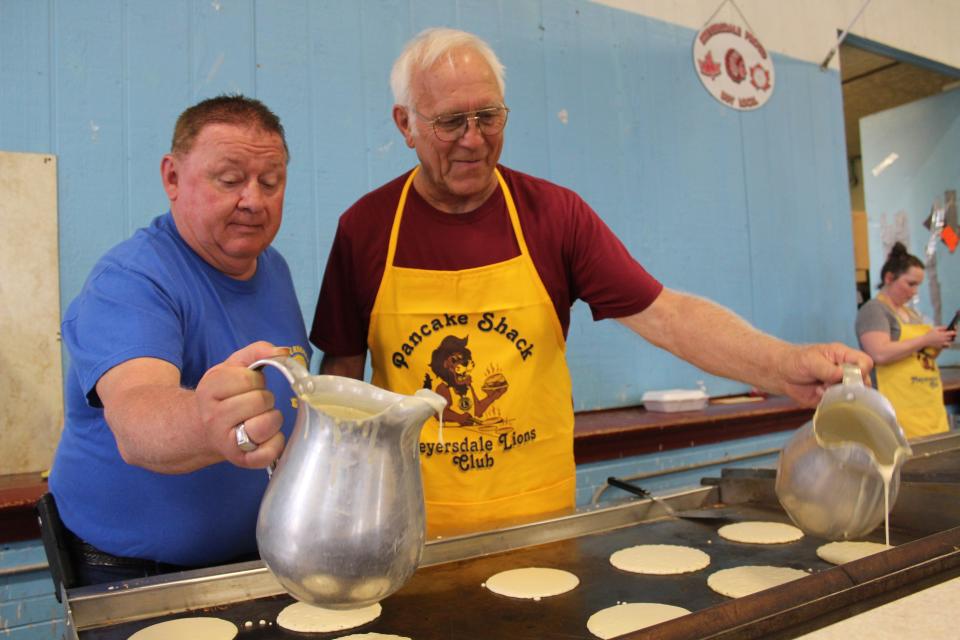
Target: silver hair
424	50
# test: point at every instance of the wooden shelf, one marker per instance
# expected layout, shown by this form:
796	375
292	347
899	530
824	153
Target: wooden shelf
18	495
619	433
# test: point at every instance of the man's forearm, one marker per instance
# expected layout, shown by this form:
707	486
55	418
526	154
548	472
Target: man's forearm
158	427
712	338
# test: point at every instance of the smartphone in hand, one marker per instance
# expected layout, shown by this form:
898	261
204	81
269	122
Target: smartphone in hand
953	323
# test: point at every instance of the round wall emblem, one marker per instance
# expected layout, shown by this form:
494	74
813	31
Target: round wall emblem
733	65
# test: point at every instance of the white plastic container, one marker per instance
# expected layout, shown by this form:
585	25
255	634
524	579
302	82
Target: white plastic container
675	400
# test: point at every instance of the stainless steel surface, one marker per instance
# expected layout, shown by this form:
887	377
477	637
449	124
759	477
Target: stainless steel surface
693	514
444	598
108	604
577	525
341	524
101	605
714	462
828	480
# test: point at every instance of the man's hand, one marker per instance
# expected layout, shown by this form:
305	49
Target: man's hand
808	370
230	394
159	425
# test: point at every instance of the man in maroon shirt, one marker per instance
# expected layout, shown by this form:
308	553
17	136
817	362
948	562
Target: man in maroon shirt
458	286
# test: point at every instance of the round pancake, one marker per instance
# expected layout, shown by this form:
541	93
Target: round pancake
848	551
760	532
200	628
531	583
659	559
307	618
631	616
742	581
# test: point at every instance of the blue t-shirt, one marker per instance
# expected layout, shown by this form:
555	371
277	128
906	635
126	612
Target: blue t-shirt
153	296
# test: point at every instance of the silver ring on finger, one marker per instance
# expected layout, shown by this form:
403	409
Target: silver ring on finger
244	443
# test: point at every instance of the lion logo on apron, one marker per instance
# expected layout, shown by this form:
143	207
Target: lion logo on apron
452	363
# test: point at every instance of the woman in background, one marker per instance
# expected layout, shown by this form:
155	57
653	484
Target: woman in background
904	348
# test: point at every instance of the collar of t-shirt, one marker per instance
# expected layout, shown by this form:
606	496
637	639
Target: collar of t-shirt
436	240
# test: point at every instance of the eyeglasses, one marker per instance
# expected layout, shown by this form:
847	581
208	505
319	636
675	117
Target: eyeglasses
450	127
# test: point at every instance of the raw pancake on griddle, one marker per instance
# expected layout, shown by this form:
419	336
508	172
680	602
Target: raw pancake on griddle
659	559
631	616
760	532
848	551
198	628
742	581
531	583
304	617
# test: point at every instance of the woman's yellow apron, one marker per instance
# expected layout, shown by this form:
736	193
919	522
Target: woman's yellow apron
489	340
912	385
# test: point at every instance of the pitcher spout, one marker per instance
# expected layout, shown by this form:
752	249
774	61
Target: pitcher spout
412	412
435	403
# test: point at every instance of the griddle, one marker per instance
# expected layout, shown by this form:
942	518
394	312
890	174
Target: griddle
445	599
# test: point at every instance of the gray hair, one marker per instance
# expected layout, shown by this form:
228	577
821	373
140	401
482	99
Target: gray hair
424	50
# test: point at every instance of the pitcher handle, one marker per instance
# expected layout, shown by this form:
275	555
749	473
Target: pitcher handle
295	373
851	374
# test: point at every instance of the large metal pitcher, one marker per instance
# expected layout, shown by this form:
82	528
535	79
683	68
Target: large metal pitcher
830	476
341	524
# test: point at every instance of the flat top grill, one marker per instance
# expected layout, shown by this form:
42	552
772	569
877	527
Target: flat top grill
445	599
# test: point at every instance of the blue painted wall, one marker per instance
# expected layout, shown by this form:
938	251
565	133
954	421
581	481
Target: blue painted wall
925	135
750	209
28	608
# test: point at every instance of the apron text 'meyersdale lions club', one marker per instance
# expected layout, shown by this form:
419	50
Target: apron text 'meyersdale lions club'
489	341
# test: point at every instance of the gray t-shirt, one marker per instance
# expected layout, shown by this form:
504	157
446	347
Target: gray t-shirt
876	316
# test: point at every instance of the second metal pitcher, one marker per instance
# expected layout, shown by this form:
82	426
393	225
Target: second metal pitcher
831	475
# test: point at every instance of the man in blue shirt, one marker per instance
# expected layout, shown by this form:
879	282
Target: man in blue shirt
167	430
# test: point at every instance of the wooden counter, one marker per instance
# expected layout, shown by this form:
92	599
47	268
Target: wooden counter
619	433
598	435
18	494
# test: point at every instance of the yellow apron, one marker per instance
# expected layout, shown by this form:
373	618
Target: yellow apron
912	385
487	339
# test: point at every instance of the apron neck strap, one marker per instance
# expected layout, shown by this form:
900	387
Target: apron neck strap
401	204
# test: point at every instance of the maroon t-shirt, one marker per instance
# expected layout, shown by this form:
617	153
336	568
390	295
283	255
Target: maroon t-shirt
575	253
